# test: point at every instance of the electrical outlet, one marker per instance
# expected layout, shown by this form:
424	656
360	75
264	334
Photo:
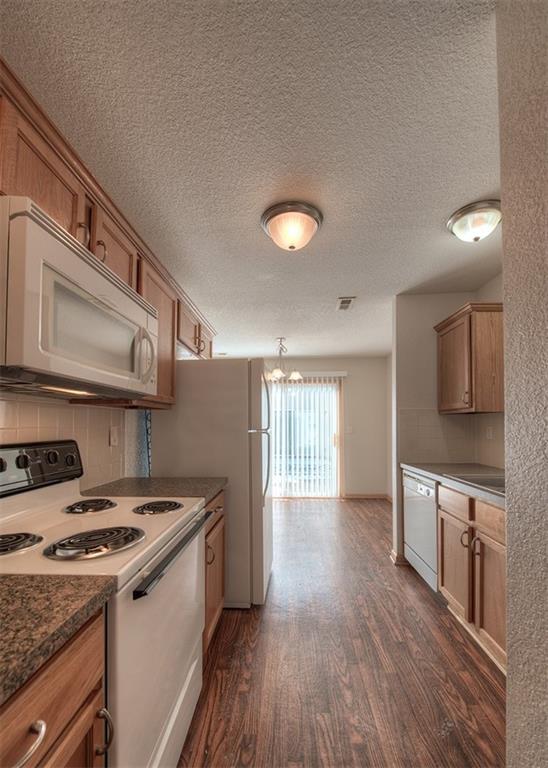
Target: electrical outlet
113	437
489	433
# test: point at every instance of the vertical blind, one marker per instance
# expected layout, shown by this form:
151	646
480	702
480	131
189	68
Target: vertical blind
305	437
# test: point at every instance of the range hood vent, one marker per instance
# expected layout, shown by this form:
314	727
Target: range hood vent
345	302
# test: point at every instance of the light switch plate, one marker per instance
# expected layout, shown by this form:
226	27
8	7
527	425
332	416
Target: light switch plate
113	437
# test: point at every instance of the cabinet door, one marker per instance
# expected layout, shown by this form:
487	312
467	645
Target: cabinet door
188	328
206	343
455	564
215	579
82	744
454	367
30	167
490	594
156	291
110	244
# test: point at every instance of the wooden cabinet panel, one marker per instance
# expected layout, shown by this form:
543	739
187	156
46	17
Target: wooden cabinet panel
454	371
77	747
30	167
490	594
112	246
458	504
53	695
206	343
215	578
188	328
490	520
217	506
155	290
471	360
455	564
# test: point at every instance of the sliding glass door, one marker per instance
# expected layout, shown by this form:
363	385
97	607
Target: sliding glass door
305	436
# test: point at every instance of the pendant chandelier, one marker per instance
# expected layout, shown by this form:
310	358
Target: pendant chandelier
279	373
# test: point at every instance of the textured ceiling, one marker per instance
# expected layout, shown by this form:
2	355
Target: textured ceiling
196	116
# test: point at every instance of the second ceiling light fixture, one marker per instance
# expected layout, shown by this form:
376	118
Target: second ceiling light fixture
278	374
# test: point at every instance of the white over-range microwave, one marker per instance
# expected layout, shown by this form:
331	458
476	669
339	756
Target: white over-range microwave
68	325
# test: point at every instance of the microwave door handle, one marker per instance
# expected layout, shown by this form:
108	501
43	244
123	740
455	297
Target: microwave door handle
145	335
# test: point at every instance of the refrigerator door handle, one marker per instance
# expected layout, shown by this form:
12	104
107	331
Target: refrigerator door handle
267	483
267	401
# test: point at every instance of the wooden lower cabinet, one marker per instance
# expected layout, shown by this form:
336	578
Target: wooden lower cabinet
215	569
455	564
472	572
490	594
61	707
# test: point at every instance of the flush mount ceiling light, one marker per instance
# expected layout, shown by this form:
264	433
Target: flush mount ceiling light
475	221
278	373
291	225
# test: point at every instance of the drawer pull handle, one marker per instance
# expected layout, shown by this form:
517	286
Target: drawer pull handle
104	714
463	534
105	251
84	226
219	510
39	727
210	549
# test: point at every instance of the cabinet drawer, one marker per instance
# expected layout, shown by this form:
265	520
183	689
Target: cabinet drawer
217	506
491	520
454	502
54	695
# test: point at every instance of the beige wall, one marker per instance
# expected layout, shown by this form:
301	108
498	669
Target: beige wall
389	426
27	419
365	441
522	31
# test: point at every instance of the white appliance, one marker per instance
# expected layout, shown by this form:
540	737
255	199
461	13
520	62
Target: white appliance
68	324
156	618
420	527
220	426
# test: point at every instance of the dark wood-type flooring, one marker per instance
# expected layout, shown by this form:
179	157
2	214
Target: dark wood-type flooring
351	662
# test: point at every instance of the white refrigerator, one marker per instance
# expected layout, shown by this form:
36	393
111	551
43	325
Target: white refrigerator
220	427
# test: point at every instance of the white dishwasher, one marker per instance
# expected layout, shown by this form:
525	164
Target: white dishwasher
420	527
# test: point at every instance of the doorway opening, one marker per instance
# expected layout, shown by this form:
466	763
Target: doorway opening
305	437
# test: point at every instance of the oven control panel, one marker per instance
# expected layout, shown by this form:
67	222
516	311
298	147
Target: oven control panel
31	465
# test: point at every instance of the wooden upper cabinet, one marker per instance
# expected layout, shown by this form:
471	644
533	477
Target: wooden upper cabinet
112	246
471	360
188	328
30	167
155	290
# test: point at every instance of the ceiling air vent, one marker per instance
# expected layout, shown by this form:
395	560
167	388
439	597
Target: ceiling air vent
345	302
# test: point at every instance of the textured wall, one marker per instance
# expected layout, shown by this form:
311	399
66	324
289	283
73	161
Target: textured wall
522	33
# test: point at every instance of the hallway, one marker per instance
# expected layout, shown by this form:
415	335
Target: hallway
349	663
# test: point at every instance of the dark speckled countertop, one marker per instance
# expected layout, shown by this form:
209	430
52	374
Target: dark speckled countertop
39	615
192	487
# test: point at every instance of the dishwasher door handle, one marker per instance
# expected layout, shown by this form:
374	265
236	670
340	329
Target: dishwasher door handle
159	571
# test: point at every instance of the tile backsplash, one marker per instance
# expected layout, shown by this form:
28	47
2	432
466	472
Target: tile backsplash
29	419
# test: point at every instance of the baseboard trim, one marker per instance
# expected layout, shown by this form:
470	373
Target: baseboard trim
398	559
357	496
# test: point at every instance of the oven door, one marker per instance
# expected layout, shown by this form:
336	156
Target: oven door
154	657
69	316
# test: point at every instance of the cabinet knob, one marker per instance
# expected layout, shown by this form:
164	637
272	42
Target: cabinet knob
39	727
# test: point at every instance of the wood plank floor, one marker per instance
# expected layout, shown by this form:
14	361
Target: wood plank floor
352	661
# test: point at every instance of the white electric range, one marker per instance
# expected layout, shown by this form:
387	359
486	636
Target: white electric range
154	548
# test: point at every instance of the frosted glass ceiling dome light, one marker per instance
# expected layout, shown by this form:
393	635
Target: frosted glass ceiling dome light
475	221
291	225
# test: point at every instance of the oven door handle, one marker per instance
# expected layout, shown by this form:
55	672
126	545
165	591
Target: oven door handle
155	576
